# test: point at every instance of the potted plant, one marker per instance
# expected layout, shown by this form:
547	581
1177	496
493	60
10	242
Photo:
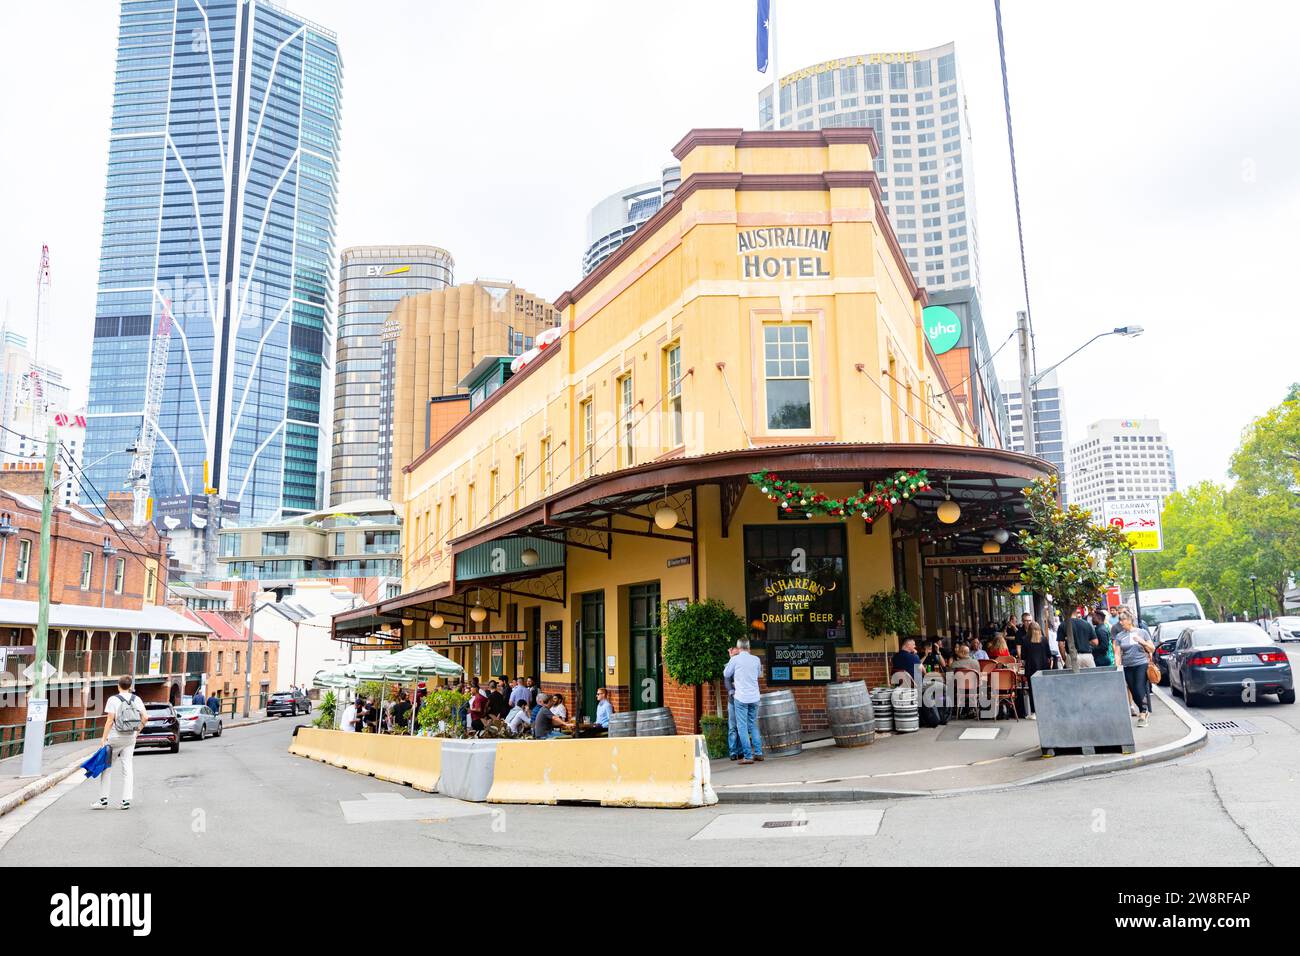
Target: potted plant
325	715
890	612
437	716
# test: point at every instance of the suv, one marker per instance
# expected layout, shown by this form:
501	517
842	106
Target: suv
288	703
161	728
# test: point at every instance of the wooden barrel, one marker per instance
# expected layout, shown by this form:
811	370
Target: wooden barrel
851	714
655	722
623	725
778	724
882	707
907	717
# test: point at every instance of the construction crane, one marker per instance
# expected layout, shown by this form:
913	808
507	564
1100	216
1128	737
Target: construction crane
31	393
142	451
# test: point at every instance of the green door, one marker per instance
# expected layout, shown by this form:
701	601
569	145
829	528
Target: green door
647	687
593	650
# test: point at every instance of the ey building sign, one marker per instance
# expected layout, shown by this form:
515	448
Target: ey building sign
1139	520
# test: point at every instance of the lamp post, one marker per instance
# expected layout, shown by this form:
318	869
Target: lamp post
109	551
7	531
1029	382
1254	597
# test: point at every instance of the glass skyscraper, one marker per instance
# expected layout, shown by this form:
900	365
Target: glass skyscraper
220	206
372	280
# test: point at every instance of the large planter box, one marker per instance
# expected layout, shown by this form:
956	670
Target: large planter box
1085	710
467	769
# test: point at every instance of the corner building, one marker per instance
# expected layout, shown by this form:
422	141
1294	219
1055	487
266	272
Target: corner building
607	480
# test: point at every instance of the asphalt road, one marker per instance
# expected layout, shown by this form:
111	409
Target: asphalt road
243	799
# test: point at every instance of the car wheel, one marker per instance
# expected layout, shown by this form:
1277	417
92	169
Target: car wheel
1286	696
203	733
176	747
1190	699
218	733
1174	690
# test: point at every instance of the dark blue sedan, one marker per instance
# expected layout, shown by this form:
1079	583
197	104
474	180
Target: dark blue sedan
1229	662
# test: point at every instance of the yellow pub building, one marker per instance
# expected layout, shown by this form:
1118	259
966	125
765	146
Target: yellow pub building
739	404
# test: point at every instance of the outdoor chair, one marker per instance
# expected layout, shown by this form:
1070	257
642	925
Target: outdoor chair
966	692
1003	686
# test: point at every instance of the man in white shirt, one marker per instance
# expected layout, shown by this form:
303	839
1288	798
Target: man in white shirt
125	715
744	670
518	718
349	719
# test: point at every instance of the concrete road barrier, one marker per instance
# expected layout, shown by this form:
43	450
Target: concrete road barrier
416	761
614	772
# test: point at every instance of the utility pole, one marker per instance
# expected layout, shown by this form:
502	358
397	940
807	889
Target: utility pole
248	659
1026	382
37	703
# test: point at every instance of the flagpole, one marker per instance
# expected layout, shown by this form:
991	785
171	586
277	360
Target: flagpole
776	74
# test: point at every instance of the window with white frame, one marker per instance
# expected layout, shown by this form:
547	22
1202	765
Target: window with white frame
625	415
673	362
787	370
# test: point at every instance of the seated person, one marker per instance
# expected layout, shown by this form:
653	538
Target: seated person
906	661
542	701
518	718
977	650
1000	649
604	709
932	656
546	725
558	708
963	661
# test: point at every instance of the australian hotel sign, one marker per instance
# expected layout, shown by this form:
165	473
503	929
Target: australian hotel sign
784	252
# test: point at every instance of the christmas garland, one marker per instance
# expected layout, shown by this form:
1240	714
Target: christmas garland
867	504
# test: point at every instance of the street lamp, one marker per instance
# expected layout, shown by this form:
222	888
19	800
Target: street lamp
1254	597
109	551
7	531
1029	382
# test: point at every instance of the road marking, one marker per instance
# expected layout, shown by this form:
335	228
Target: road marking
796	824
18	818
389	807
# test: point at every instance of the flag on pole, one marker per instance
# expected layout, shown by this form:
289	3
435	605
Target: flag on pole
764	24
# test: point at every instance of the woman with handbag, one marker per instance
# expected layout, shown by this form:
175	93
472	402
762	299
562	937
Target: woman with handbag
1134	648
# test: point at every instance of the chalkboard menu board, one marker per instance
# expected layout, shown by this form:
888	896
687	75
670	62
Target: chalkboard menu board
790	663
554	663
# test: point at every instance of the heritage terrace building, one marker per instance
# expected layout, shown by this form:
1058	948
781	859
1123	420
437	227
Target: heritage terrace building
635	463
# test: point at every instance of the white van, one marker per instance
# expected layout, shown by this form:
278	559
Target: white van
1161	605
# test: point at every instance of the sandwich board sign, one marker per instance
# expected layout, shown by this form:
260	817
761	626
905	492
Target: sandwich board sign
1139	519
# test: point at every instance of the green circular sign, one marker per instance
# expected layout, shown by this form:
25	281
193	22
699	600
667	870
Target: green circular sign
942	327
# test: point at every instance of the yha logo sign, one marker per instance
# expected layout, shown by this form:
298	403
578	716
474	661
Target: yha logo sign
942	327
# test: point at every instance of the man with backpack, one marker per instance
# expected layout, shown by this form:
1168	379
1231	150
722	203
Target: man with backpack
124	716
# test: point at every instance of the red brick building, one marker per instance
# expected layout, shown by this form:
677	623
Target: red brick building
107	605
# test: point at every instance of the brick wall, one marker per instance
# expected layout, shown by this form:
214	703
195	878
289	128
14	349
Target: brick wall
620	697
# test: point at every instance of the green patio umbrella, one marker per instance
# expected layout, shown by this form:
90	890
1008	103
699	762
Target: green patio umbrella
417	661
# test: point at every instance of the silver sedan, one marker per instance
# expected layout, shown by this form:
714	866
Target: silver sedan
198	721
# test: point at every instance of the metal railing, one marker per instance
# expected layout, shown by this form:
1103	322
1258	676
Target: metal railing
56	732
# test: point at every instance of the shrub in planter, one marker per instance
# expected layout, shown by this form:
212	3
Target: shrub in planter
696	639
325	715
437	716
714	729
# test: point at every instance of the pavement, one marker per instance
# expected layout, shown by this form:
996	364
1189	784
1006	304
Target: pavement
244	800
960	756
60	760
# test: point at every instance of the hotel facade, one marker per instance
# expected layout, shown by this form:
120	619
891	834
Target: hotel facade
762	328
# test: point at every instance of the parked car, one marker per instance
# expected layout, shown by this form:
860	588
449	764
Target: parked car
1162	605
196	721
288	703
1222	660
161	728
1283	629
1166	639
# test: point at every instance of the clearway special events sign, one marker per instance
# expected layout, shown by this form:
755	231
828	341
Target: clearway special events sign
784	252
1139	520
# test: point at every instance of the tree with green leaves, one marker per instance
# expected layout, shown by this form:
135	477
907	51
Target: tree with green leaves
696	640
1067	555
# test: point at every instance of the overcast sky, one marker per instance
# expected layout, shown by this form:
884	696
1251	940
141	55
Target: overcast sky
1157	146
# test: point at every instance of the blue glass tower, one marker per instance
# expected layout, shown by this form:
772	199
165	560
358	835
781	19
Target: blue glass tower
222	174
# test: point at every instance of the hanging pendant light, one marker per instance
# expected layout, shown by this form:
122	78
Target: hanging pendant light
1016	587
529	556
666	516
991	547
436	621
948	511
478	613
1001	535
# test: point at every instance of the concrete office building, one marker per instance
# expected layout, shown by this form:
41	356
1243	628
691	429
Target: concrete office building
440	337
220	207
955	329
620	214
31	394
915	103
372	280
1121	459
1050	441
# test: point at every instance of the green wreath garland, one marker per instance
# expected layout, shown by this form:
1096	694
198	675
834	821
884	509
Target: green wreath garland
882	497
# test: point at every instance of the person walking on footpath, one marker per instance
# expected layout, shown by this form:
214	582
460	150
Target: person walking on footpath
124	716
1037	657
1134	647
744	670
